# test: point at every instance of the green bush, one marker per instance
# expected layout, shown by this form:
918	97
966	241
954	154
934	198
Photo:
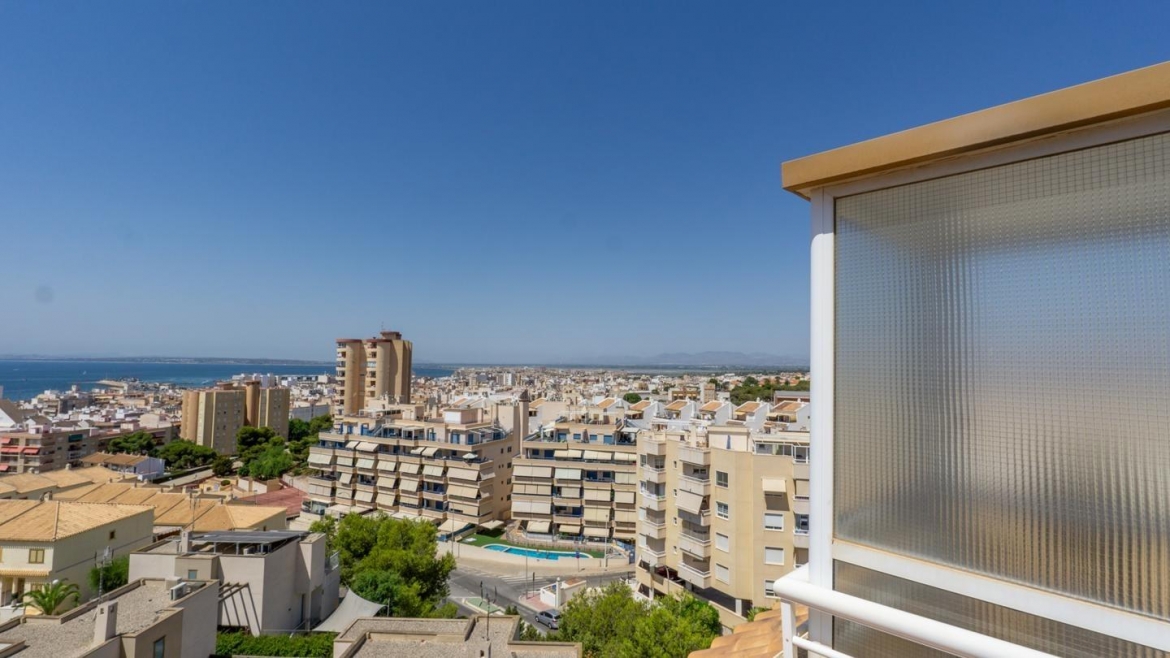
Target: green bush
311	645
112	576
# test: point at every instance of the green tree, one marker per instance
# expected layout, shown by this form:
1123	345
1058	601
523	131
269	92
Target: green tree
751	615
183	455
138	443
52	598
611	622
270	460
309	645
251	437
297	429
326	525
222	465
601	620
676	626
111	576
632	398
320	424
393	561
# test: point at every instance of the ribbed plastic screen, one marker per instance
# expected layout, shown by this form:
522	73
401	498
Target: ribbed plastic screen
1011	625
1003	372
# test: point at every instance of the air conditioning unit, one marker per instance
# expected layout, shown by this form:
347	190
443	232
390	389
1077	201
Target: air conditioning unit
178	591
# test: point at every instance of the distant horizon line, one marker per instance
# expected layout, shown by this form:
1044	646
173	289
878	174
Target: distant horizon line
312	362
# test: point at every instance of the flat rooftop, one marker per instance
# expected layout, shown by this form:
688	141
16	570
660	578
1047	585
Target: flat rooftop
384	637
49	637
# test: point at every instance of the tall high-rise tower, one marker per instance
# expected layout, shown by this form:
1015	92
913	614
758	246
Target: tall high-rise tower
373	368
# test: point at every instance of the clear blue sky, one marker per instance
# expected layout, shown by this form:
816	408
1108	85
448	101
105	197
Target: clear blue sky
502	181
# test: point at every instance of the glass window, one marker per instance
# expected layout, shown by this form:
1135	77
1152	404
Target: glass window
768	589
160	648
773	555
722	510
802	524
721	479
192	574
36	556
961	432
773	521
722	542
722	574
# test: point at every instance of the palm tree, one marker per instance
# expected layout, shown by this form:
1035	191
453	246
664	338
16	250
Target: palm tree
52	597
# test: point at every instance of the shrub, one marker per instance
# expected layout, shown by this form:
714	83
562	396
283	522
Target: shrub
311	645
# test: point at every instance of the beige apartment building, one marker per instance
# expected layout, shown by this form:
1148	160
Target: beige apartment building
145	618
577	476
267	407
371	369
451	465
723	510
43	541
213	417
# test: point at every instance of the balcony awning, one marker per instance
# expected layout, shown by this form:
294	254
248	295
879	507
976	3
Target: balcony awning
570	492
366	446
534	471
594	531
364	496
463	474
462	491
597	514
568	474
346	478
597	494
366	462
387	498
418	450
569	454
387	466
569	528
627	457
623	497
429	452
625	516
433	471
451	525
492	525
408	468
318	458
689	502
539	527
775	485
408	485
31	451
599	456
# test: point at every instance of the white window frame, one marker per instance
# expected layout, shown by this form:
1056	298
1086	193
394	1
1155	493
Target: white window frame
725	568
768	593
726	513
783	555
769	528
726	548
823	550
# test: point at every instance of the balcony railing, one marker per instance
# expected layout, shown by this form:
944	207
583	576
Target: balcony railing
694	576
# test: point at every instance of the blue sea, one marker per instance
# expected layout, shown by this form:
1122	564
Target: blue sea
24	379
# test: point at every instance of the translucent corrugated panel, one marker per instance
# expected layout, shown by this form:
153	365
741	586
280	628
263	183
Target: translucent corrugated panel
1017	627
1003	372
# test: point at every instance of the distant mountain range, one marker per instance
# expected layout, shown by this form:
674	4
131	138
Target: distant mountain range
165	359
701	359
707	360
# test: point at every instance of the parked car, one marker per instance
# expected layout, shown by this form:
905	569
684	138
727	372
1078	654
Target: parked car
550	618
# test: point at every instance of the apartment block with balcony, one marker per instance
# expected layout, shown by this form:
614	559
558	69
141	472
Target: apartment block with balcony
452	466
981	288
723	513
576	477
369	369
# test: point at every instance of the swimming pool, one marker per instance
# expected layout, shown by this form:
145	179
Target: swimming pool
532	552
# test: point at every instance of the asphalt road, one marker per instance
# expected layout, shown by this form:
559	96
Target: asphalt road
508	589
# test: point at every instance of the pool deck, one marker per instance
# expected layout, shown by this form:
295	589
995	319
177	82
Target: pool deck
500	562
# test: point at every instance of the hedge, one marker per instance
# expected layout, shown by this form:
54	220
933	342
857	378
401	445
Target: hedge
310	645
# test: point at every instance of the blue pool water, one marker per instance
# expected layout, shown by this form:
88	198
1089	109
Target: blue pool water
532	552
